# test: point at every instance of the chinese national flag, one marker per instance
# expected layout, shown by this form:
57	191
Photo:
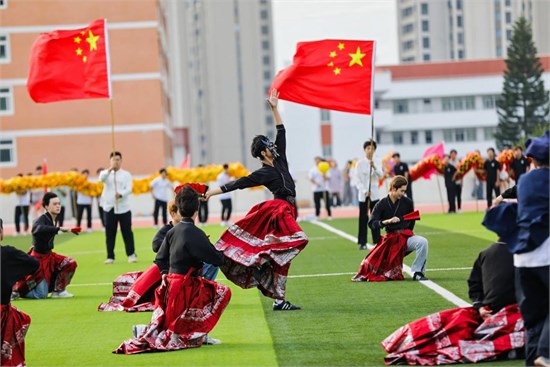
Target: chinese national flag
330	74
70	64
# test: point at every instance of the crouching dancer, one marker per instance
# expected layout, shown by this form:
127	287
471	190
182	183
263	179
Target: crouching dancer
187	306
55	271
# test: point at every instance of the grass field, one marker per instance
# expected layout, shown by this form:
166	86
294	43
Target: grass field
341	324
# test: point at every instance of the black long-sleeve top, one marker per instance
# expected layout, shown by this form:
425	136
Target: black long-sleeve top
491	281
511	193
277	178
161	234
449	173
43	232
386	209
15	265
185	247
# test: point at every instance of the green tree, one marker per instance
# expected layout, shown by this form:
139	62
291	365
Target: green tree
524	105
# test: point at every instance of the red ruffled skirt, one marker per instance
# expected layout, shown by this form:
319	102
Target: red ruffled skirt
185	311
458	335
260	247
14	328
385	261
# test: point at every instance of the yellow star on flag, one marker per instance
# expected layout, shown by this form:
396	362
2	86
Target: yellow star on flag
337	71
331	64
92	40
341	46
356	58
77	39
79	51
85	58
332	54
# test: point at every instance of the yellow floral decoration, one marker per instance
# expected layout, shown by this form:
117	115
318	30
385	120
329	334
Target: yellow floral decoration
78	182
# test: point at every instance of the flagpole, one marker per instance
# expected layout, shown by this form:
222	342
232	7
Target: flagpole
440	196
111	105
371	126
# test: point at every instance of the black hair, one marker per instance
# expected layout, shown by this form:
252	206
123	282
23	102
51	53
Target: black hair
453	151
258	146
187	201
38	168
1	224
98	171
396	155
114	154
85	171
519	147
492	150
162	170
47	197
368	142
225	166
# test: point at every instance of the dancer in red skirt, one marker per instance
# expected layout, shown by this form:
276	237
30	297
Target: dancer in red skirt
56	271
15	265
187	306
385	261
260	247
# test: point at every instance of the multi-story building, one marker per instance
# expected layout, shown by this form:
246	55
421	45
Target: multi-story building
217	68
78	133
440	30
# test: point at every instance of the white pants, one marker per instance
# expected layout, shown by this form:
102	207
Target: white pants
420	245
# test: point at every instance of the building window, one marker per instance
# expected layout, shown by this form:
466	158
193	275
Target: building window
263	14
267	75
401	106
426	42
489	102
3	4
499	51
428	136
414	137
6	101
426	57
266	60
408	59
446	104
459	21
7	152
407	11
325	115
460	54
448	136
265	29
489	133
407	45
458	104
470	103
4	49
424	8
408	28
459	4
508	2
397	137
471	134
425	25
460	38
459	135
508	34
265	45
508	17
327	150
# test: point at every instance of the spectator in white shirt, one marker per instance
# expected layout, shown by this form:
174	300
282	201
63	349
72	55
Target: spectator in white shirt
22	209
225	198
117	187
319	183
84	202
368	173
160	187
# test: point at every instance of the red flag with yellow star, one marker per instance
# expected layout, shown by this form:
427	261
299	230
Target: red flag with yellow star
70	64
330	74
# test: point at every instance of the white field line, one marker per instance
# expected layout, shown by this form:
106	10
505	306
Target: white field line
428	283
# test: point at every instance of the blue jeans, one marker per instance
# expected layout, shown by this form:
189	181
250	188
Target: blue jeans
209	271
38	292
419	245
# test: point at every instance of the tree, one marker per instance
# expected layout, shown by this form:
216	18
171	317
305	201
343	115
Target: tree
524	105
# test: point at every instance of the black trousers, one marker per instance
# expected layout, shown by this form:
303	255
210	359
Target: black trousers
101	215
458	195
80	211
317	196
410	191
363	223
226	209
335	199
533	304
111	225
489	192
203	211
21	210
451	196
160	205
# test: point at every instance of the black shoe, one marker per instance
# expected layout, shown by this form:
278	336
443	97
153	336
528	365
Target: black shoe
285	306
362	247
419	276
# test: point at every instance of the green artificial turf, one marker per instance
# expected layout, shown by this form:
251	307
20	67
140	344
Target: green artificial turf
341	324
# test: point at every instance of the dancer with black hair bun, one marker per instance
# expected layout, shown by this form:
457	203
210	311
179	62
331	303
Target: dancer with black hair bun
260	247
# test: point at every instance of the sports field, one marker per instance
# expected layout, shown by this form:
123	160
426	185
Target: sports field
341	322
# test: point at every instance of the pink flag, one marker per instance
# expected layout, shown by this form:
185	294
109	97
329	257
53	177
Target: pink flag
186	162
438	149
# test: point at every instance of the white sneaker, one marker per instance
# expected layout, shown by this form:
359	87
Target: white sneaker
132	258
208	340
329	219
62	294
222	223
109	261
89	230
